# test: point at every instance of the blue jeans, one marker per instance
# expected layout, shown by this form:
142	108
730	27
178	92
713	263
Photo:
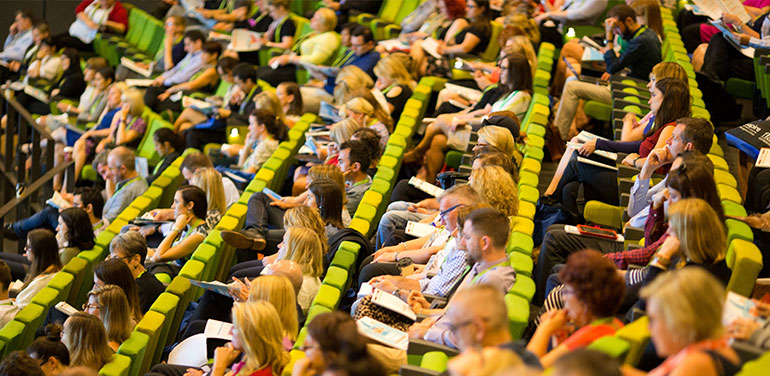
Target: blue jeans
47	218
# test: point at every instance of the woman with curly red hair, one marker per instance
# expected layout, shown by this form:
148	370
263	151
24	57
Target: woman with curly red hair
593	293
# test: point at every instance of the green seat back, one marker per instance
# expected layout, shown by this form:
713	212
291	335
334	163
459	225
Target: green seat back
135	347
120	365
745	260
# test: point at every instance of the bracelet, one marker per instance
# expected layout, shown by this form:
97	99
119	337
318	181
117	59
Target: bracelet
395	257
397	292
174	228
637	158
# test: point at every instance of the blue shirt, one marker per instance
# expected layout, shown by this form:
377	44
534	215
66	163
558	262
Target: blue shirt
183	71
641	53
16	45
366	62
448	273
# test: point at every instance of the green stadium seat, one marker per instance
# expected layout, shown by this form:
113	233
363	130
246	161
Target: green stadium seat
135	347
120	365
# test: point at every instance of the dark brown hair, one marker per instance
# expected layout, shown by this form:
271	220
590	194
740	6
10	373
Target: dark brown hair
45	253
695	179
675	103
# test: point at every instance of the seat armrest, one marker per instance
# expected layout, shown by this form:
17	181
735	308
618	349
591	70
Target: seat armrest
410	370
747	351
627	171
634	234
421	346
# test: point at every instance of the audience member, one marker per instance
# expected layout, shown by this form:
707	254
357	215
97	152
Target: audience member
18	363
8	309
110	305
86	339
50	351
131	248
115	272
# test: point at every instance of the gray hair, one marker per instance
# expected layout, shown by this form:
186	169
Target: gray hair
130	243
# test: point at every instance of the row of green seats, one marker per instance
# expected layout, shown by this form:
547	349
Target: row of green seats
210	261
142	42
386	24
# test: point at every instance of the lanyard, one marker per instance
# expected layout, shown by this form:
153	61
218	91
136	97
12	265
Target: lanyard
122	186
387	89
248	98
364	181
641	30
473	281
277	30
155	170
343	60
298	42
95	8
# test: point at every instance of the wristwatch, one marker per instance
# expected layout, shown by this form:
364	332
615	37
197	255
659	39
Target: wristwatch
397	292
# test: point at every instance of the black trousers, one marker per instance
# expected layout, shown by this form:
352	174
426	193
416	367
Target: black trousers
371	269
215	306
274	77
405	192
723	61
32	105
198	138
599	183
151	96
557	246
18	264
66	40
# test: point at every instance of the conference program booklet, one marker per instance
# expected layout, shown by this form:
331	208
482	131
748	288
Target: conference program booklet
393	303
739	306
130	64
214	286
426	187
371	328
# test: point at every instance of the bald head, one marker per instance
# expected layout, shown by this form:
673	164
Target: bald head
121	163
485	307
288	269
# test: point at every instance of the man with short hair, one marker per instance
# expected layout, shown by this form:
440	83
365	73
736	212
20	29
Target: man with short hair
131	248
196	160
689	134
354	160
8	309
584	362
19	37
128	183
640	54
361	54
91	200
236	112
484	236
181	72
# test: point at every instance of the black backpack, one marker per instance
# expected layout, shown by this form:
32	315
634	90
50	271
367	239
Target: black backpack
349	235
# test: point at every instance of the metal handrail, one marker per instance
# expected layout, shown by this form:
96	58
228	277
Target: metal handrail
21	129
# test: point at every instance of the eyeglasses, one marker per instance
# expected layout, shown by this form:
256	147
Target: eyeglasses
444	213
90	306
116	257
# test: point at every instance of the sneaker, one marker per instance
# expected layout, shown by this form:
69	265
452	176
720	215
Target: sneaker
244	239
9	233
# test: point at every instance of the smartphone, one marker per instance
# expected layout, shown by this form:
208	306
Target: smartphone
272	194
597	232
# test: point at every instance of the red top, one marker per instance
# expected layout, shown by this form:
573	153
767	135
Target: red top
591	332
118	13
649	142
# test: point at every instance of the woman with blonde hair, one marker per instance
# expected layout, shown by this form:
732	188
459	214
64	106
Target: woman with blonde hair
365	113
497	188
257	333
301	245
305	216
128	126
685	310
696	237
268	100
350	78
317	47
210	181
395	82
279	291
86	339
109	304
